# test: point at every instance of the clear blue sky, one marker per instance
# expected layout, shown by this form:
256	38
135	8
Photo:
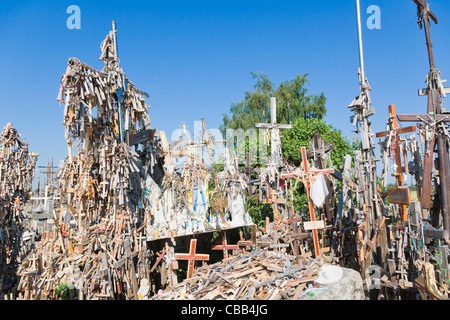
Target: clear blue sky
195	57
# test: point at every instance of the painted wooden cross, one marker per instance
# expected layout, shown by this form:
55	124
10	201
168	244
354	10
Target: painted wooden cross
306	173
431	120
191	257
393	135
225	246
275	134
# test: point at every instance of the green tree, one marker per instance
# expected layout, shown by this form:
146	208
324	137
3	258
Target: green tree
301	134
293	102
294	106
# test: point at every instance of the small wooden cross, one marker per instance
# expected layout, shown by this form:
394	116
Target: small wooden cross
224	246
191	257
244	244
161	256
275	201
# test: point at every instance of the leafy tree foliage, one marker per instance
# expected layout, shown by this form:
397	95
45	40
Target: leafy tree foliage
301	134
294	106
293	102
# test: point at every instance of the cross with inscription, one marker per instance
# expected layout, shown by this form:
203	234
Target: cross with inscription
432	122
191	257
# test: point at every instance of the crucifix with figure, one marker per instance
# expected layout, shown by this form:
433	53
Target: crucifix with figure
432	123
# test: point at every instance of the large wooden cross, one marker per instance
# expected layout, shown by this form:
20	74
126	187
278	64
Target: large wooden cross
191	257
432	119
307	174
317	152
274	126
394	133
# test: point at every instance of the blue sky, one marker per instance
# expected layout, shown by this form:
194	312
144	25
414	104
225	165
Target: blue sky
195	57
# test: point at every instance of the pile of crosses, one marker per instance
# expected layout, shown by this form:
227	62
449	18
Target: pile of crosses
17	166
121	196
128	213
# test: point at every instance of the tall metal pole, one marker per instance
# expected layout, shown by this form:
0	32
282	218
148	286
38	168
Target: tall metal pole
361	52
116	54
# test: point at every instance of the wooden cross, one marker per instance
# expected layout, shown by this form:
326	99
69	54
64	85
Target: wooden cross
224	246
317	151
424	14
432	119
161	256
394	133
249	170
274	126
306	174
244	244
275	201
50	172
191	257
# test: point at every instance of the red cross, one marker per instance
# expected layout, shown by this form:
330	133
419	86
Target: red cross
224	246
191	257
